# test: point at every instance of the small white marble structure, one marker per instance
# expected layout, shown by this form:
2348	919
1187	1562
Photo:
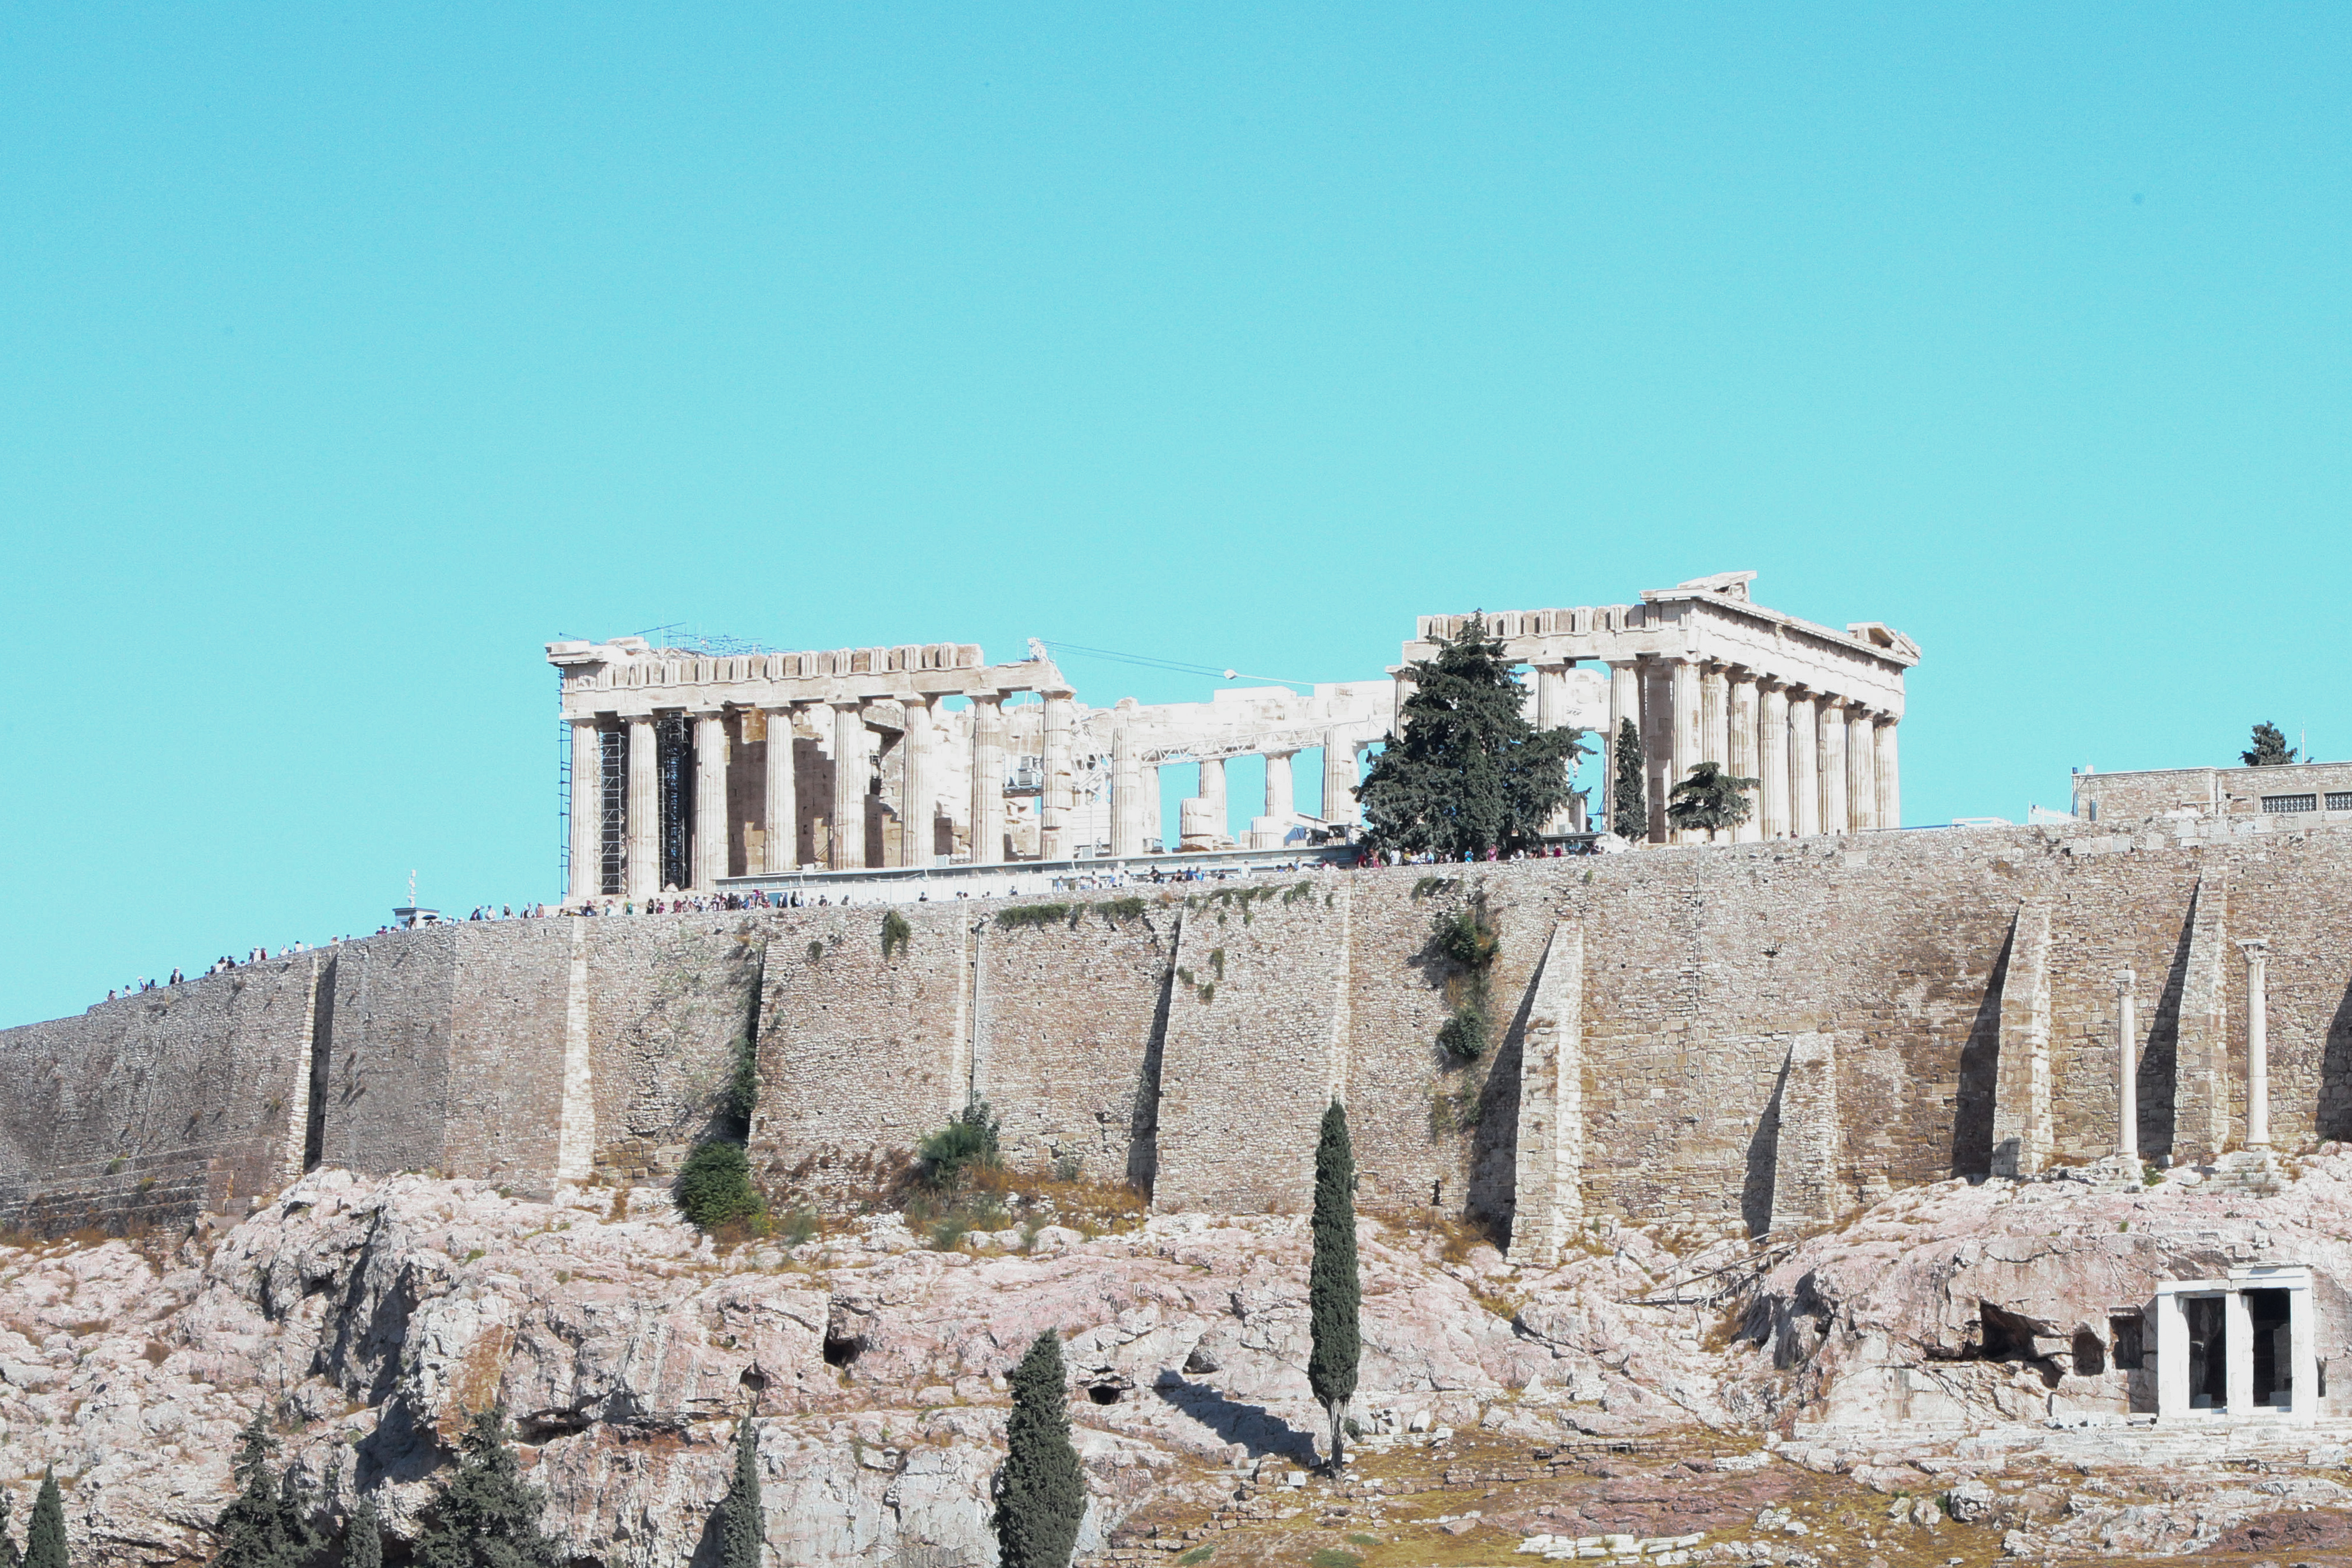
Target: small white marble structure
2237	1348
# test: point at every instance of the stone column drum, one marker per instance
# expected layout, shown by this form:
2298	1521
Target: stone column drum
587	807
849	769
783	846
711	824
1772	759
644	820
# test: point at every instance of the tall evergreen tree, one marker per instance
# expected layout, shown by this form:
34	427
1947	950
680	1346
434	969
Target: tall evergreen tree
742	1521
1042	1495
8	1555
1628	815
1335	1293
267	1524
45	1538
1469	773
1711	799
485	1516
363	1536
2270	749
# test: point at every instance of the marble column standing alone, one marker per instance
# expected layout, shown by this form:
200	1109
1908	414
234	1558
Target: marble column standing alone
1832	728
1126	789
1804	763
644	817
783	800
2127	1071
1890	786
1055	800
1741	706
849	781
2258	1043
1212	790
988	779
1862	769
712	831
585	880
919	797
1278	797
1772	759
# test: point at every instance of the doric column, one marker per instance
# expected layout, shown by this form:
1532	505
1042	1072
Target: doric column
1741	706
587	808
1055	800
1714	715
644	822
1624	702
1340	776
2258	1045
849	783
1890	786
1551	694
1682	706
988	779
1277	787
1212	790
1804	763
2126	1070
920	797
710	827
783	813
1862	769
1832	729
1772	759
1126	796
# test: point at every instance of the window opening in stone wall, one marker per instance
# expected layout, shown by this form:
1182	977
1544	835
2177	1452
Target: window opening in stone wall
2274	1348
2281	802
674	776
612	827
2209	1353
2339	800
2123	1336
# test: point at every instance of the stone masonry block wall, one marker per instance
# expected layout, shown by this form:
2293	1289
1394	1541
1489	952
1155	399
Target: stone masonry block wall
668	998
156	1107
386	1086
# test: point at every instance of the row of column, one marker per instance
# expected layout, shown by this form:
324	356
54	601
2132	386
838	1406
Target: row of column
1134	826
1824	763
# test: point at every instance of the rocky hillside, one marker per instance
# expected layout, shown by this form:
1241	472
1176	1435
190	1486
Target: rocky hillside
1658	1386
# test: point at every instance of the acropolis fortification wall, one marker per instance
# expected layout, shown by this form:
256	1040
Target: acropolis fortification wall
1763	1032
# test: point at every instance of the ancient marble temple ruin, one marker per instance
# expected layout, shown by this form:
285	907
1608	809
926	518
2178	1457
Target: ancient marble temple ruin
690	769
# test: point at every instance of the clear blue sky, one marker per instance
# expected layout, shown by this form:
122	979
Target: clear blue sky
349	353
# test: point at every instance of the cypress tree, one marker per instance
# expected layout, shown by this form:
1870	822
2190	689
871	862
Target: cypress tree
1469	773
484	1516
45	1538
9	1557
1334	1293
1043	1495
742	1521
1630	798
364	1538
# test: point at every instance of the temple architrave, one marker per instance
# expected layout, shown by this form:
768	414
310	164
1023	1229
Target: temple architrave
1707	675
687	768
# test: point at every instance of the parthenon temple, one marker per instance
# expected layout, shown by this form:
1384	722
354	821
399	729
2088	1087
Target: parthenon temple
679	776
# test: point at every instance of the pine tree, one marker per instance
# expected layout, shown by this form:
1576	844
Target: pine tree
742	1522
1629	803
2270	749
363	1536
1042	1494
267	1524
45	1538
1711	799
1334	1293
1470	773
484	1516
9	1556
